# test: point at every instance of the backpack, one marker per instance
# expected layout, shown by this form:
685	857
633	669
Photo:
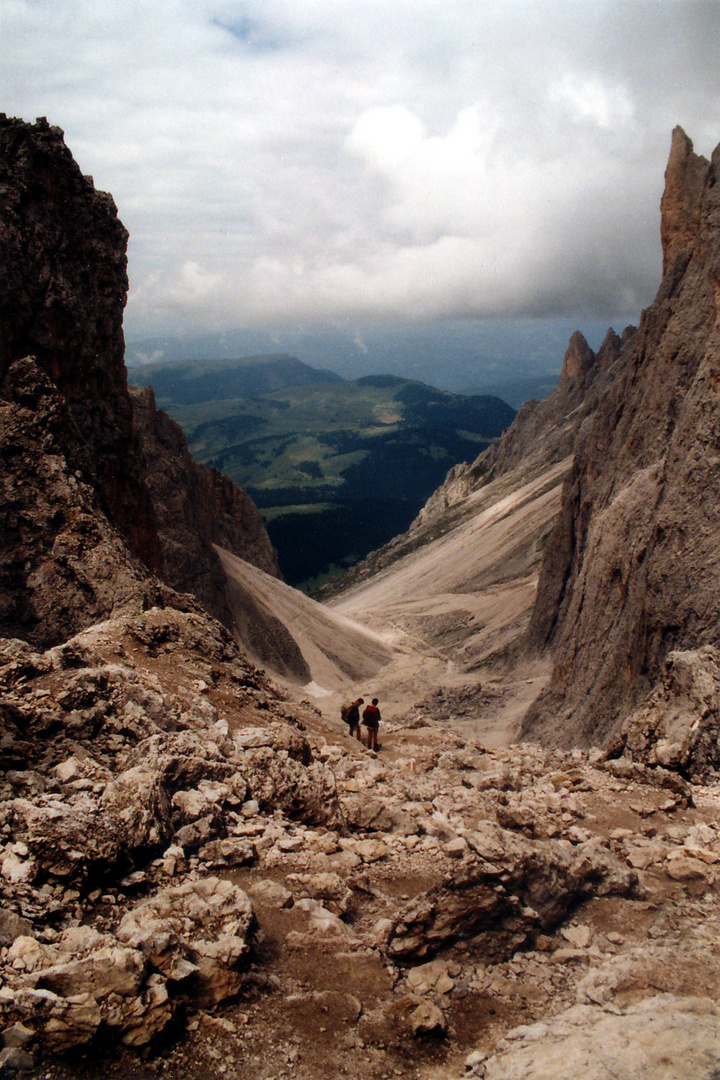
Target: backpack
345	714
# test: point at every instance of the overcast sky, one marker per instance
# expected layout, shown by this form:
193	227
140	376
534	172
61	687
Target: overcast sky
281	161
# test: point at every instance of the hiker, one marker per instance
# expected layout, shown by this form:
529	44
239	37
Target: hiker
371	720
351	715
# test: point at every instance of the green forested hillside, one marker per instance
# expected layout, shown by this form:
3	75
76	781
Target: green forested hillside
337	467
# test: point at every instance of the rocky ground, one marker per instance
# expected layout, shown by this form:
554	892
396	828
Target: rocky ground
200	878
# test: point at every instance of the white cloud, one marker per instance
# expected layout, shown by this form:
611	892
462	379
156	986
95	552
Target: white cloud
276	160
386	137
593	99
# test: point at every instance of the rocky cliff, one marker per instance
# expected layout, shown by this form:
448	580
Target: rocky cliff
632	569
194	508
63	284
62	563
543	433
98	487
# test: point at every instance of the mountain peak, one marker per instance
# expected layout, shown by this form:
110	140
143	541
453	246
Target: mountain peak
685	180
631	571
579	366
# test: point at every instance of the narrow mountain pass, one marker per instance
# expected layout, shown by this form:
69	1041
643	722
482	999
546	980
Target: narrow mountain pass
456	609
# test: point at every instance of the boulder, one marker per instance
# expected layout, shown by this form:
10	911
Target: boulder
427	1020
280	781
86	982
506	894
678	725
373	814
326	887
196	934
662	1036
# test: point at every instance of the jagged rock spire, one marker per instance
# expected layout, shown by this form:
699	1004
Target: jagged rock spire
685	179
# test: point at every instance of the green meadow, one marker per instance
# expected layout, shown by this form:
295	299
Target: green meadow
337	467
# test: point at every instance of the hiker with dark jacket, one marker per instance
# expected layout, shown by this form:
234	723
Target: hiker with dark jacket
351	716
371	720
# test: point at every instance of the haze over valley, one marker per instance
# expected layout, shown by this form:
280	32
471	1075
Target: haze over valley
514	359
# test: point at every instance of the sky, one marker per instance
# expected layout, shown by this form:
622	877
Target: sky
337	162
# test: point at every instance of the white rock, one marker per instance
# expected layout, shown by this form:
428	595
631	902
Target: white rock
191	804
664	1036
17	870
455	849
291	843
427	1019
322	919
68	770
579	936
271	892
687	869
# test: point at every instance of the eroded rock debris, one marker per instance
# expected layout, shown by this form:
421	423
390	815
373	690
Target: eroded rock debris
188	856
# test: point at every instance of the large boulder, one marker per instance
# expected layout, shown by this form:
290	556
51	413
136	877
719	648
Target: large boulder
678	725
508	893
664	1036
187	943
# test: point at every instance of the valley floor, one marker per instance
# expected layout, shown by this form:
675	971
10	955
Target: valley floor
436	632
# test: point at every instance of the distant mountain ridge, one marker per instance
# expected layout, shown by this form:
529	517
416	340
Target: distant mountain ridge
336	466
454	354
185	382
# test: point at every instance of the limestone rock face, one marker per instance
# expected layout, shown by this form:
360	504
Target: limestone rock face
678	724
195	507
98	488
62	564
632	569
63	286
543	432
578	368
685	179
64	269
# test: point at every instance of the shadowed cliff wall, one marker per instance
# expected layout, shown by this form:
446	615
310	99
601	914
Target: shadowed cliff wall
84	468
633	568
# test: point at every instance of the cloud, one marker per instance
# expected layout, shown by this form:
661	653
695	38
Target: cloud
591	99
334	159
387	137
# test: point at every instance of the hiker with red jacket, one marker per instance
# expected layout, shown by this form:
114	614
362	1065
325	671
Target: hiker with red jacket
371	720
